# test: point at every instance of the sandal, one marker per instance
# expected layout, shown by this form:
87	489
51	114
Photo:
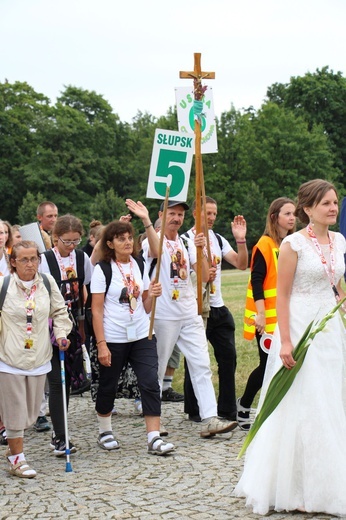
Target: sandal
243	416
107	441
161	449
21	469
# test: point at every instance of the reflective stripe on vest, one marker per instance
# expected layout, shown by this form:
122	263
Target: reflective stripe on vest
270	253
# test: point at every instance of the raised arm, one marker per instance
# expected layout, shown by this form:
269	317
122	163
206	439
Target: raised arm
141	212
240	258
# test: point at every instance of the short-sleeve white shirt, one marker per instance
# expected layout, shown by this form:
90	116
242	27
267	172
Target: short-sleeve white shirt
117	315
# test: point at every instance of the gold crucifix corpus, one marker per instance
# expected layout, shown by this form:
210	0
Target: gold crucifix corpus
197	76
197	73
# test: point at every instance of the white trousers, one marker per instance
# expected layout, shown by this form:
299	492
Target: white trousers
189	335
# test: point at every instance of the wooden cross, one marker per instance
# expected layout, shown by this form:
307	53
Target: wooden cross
197	76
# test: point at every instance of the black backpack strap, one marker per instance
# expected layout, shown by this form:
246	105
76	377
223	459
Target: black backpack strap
141	263
219	239
53	265
80	265
185	242
3	291
152	267
46	283
107	271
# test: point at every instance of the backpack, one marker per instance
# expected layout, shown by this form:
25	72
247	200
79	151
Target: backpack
74	355
55	272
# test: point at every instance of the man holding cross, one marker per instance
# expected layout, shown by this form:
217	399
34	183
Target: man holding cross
176	318
220	327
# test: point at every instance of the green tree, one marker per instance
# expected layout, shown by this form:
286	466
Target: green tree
107	206
28	210
319	97
263	155
79	152
21	111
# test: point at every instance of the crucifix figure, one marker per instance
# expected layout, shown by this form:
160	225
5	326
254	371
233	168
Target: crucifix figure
197	75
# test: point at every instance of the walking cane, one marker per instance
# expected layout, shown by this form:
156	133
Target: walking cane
63	383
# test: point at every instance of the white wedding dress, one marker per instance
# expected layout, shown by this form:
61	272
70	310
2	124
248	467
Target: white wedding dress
298	457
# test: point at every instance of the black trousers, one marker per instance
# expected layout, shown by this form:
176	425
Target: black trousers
56	407
142	355
220	332
255	380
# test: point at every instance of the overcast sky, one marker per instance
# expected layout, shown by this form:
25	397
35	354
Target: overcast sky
131	51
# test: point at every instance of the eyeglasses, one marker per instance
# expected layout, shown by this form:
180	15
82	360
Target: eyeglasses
71	242
32	260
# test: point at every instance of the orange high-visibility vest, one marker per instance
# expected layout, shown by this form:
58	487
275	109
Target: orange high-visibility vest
270	252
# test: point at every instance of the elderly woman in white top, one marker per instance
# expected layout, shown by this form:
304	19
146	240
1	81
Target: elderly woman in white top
25	347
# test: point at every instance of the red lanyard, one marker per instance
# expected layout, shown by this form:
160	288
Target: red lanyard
331	273
169	246
129	283
61	265
29	307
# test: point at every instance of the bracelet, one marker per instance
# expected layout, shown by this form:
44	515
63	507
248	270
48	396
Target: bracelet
101	341
149	225
241	241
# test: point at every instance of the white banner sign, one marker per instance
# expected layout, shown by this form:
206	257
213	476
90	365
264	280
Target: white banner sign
170	164
186	121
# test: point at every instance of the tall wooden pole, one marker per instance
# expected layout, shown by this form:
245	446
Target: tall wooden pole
158	265
197	75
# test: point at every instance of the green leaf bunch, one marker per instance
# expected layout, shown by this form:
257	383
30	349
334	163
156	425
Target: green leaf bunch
283	379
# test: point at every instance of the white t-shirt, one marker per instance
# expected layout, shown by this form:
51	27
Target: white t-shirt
216	299
178	299
44	268
4	270
117	315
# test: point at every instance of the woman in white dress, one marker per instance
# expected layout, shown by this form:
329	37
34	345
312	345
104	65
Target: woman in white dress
297	460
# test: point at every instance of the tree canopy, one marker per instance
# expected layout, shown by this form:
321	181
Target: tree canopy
79	154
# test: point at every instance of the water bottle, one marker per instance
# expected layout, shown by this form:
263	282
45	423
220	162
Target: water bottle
86	362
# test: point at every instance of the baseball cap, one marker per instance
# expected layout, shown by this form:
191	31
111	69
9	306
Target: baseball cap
172	203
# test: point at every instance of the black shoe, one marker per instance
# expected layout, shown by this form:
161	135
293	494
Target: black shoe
3	438
226	417
195	418
85	387
42	424
172	396
59	446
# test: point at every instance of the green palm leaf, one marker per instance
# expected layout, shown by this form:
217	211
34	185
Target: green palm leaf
283	379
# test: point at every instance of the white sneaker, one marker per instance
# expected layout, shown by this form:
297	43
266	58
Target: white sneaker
215	426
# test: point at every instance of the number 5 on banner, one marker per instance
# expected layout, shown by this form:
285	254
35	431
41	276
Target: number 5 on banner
170	164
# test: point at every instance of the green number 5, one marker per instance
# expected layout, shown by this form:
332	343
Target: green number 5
166	169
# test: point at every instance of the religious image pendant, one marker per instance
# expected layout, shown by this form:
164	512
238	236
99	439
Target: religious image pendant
28	344
212	288
133	303
30	304
175	295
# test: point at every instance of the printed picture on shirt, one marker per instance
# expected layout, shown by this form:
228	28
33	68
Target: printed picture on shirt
178	265
130	292
216	260
70	287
